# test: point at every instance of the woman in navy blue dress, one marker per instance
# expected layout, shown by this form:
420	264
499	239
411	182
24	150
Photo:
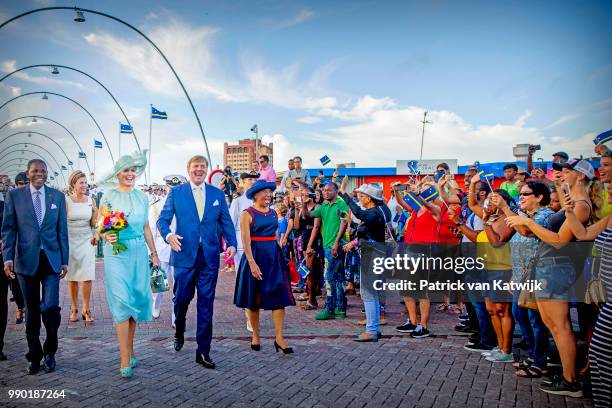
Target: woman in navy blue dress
262	280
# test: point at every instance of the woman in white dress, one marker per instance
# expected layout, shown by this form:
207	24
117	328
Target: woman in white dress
82	213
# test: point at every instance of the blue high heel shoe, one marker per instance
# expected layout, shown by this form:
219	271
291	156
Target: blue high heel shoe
126	372
133	362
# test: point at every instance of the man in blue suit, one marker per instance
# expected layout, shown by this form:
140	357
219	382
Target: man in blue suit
35	237
201	217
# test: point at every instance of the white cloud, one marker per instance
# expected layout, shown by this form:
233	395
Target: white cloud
191	52
520	122
309	120
27	123
285	149
9	66
363	108
300	17
601	72
391	132
15	91
562	119
187	48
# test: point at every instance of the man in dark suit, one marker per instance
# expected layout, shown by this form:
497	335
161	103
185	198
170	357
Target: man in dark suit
4	284
201	215
35	237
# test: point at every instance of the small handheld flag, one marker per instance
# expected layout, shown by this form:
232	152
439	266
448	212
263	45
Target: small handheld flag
325	160
303	269
603	138
156	114
486	177
126	129
97	144
430	194
82	155
414	201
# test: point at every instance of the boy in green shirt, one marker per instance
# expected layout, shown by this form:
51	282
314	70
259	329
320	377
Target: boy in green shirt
511	185
328	220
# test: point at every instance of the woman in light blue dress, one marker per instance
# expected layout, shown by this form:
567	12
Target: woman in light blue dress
127	275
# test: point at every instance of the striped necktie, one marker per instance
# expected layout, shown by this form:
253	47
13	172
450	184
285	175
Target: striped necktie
38	207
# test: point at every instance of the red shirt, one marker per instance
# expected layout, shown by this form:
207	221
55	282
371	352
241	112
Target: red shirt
425	229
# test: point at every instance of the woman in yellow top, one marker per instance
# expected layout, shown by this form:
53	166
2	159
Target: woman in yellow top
498	267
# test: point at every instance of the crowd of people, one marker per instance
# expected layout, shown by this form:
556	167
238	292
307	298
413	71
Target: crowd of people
304	239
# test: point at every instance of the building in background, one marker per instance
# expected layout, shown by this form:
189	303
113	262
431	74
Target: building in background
241	156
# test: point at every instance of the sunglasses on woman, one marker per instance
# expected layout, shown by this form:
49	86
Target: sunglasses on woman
526	194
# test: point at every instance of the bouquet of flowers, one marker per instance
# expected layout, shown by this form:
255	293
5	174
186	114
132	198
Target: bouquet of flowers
114	221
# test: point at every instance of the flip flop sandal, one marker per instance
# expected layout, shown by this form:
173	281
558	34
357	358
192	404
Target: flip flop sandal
443	307
531	372
521	365
308	306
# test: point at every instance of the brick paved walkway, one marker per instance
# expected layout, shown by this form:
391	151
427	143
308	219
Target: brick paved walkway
328	369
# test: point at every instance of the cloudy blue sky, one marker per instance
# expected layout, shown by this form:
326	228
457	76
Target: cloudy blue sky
350	79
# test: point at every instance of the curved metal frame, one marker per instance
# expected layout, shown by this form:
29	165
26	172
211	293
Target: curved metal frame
144	36
44	135
3	165
26	146
59	169
88	76
57	123
71	100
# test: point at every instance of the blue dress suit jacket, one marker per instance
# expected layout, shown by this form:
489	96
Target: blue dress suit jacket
181	204
23	239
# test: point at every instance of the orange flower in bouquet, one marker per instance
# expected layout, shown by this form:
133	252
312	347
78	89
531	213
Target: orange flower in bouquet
114	222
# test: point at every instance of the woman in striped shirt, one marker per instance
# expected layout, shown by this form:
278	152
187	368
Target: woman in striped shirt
599	351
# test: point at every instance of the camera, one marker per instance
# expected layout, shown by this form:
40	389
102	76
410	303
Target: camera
535	147
401	187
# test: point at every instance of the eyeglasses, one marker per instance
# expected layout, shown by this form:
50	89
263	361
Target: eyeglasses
262	161
526	194
20	183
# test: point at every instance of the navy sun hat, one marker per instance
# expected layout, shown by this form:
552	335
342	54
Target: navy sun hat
259	186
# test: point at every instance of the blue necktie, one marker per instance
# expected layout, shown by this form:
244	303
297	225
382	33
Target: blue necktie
38	207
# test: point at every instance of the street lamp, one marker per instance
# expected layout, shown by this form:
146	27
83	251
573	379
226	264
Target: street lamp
79	16
45	96
16	134
57	123
93	79
255	129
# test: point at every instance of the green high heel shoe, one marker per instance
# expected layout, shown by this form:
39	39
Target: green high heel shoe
133	362
126	372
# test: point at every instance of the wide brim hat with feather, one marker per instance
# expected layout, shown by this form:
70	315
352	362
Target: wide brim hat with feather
136	159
